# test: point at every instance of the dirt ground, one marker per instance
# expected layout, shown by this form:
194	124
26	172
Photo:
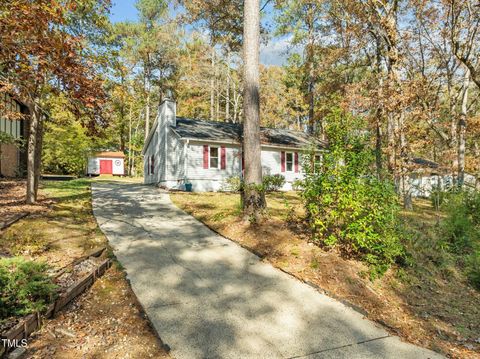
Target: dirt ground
12	200
425	304
106	321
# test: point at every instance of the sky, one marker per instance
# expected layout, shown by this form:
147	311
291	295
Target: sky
274	53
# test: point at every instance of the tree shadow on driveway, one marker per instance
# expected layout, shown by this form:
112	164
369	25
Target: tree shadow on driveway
209	298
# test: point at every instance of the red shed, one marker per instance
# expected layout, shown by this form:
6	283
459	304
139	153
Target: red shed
106	163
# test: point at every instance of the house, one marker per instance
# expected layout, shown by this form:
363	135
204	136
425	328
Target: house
13	156
205	153
112	163
428	176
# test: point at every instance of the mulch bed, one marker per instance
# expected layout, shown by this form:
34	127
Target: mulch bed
72	283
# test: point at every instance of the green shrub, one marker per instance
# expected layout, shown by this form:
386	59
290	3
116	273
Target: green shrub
233	183
297	185
346	206
473	269
273	183
460	231
270	183
25	287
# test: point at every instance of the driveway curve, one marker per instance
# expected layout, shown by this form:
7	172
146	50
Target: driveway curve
207	297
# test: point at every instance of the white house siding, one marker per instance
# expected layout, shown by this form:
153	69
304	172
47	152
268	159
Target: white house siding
423	186
271	165
211	179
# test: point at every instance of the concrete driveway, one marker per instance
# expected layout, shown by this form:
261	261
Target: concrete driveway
209	298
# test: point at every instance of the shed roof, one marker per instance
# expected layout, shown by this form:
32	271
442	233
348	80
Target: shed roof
232	132
110	154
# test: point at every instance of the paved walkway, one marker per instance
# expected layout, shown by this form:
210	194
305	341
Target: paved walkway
209	298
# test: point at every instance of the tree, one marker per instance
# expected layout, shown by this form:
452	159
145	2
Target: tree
464	23
147	45
253	195
281	104
302	19
66	143
45	56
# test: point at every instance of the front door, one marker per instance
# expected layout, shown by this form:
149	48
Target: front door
105	167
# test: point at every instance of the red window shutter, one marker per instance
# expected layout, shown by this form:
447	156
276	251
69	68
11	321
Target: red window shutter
223	159
282	160
205	156
296	162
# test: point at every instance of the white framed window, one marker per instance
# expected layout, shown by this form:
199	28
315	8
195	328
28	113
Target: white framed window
11	126
289	161
214	157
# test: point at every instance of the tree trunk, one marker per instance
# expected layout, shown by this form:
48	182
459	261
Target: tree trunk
38	154
311	75
130	141
212	86
454	143
406	187
462	129
217	100
32	155
379	113
147	85
396	127
253	196
147	114
234	102
227	99
378	148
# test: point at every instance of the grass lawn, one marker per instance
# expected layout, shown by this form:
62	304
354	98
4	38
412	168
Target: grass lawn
107	321
427	303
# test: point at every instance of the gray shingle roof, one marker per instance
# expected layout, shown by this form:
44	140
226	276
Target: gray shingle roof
424	163
227	131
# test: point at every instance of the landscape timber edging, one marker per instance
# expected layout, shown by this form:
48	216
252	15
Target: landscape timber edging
14	219
33	321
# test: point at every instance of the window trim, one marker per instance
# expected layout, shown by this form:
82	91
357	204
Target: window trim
210	157
286	161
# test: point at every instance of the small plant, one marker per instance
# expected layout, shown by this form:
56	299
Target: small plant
461	228
297	185
273	183
233	184
460	231
25	287
289	210
473	269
